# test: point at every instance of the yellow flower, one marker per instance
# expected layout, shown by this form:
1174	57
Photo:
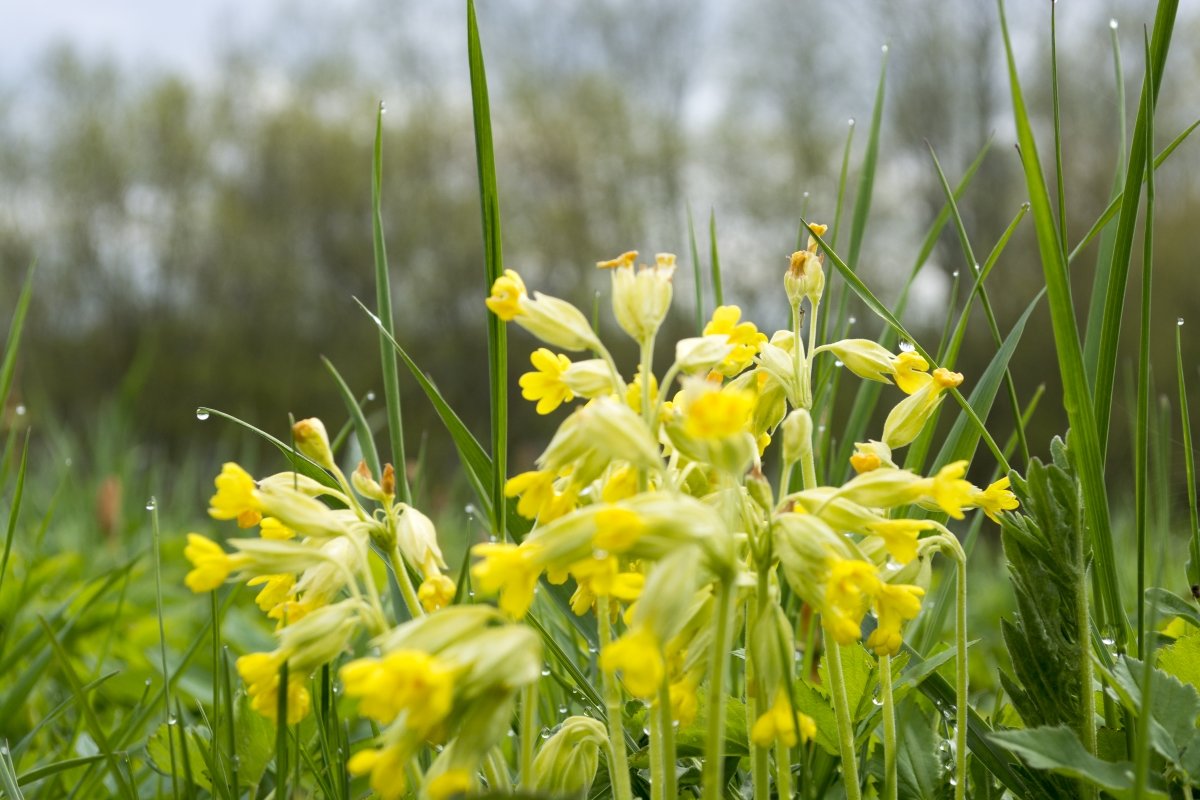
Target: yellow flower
910	371
849	587
949	490
744	337
271	528
510	570
626	259
617	529
539	500
719	414
601	577
236	497
685	701
621	483
994	499
778	724
450	783
633	391
212	565
437	591
386	767
894	605
260	672
638	657
900	536
276	589
545	384
409	681
865	462
507	292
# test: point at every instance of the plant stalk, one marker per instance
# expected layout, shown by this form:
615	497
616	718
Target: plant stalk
890	784
714	746
841	707
618	765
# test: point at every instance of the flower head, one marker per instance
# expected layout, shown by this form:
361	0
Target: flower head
211	565
386	768
510	570
849	587
895	604
436	591
719	414
900	536
778	724
507	292
545	384
236	498
411	682
949	490
744	336
638	657
995	498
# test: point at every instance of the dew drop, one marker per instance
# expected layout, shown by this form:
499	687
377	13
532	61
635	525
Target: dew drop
202	414
545	733
545	672
805	195
147	683
1179	322
593	649
877	701
1112	23
562	709
850	122
599	555
151	504
852	320
20	409
838	364
511	733
171	720
883	49
370	396
1025	206
907	347
471	595
954	274
820	428
67	462
382	107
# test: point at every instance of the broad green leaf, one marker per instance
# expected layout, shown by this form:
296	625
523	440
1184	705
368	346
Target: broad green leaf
161	757
255	741
920	772
816	705
1059	750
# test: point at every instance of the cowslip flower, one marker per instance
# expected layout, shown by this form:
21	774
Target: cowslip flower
436	591
685	700
411	682
949	490
602	577
995	498
539	499
743	336
849	587
510	571
545	384
211	564
237	497
617	529
451	783
260	672
638	657
271	528
507	292
276	589
778	724
894	604
906	420
640	297
900	536
719	414
386	768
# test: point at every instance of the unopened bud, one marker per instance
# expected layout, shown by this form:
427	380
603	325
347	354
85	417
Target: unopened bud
797	435
365	484
388	484
312	440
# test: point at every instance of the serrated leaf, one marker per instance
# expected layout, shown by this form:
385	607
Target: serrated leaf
1182	659
1174	706
811	702
1059	750
690	741
859	670
255	741
920	773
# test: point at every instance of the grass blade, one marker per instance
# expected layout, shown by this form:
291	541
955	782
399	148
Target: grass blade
1076	393
714	255
1114	301
700	315
12	343
383	301
1189	464
489	202
14	511
300	462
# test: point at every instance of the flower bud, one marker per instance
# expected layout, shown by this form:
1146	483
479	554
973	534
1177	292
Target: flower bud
556	322
417	539
312	440
366	485
566	763
797	435
702	353
589	378
641	297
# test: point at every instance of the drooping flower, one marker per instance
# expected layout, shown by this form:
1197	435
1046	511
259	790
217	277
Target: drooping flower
211	565
617	529
386	768
236	498
638	657
507	292
545	384
719	414
510	571
994	499
436	591
271	528
260	672
411	682
451	783
539	499
900	536
778	724
895	604
949	490
744	336
849	587
909	371
276	589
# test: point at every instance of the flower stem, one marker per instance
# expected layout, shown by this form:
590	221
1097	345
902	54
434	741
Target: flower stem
618	764
960	657
657	773
405	583
890	785
714	746
783	770
1087	698
529	698
841	706
670	787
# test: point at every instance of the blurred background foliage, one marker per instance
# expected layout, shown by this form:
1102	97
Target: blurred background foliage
200	235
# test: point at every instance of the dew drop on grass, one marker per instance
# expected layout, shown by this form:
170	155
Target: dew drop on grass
805	195
562	709
877	700
1179	322
545	733
838	363
546	671
883	49
151	504
1025	206
20	410
202	414
850	122
907	347
382	107
67	462
852	320
171	720
1112	23
370	396
954	274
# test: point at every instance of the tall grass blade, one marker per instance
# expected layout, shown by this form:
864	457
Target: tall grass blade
1114	300
14	512
1091	339
12	343
489	202
1189	465
8	774
383	310
1077	396
715	259
362	430
1060	185
696	274
1141	448
300	462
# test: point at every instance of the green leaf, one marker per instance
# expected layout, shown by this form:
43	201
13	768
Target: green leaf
919	770
1059	750
816	705
300	462
859	672
255	741
362	430
1170	604
1174	706
159	751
